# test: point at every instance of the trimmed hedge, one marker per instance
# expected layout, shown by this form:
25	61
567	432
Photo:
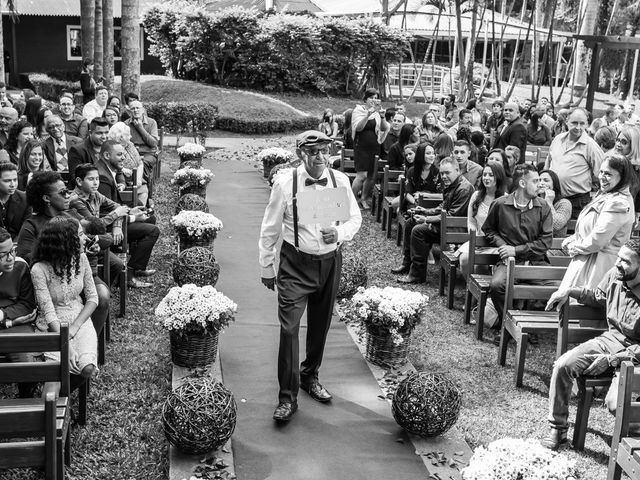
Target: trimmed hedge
267	126
183	117
50	88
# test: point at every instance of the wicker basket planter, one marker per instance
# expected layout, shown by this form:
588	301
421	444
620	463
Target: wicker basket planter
200	190
192	202
199	416
193	350
382	351
196	265
194	161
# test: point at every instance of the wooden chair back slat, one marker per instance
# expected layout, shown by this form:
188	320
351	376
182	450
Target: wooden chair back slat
390	184
516	273
29	371
571	226
621	457
478	257
38	342
23	454
453	230
533	292
556	243
130	196
22	420
347	162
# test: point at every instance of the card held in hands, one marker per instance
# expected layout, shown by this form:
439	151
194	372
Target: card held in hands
323	206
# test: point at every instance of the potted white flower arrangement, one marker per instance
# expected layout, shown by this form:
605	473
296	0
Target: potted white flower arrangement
270	157
191	152
196	228
194	317
192	180
388	315
512	458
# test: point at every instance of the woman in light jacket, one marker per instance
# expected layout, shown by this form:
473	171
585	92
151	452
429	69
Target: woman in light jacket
603	226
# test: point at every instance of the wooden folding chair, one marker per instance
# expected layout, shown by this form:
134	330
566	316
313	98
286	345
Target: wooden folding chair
348	164
453	231
158	169
390	190
45	421
376	192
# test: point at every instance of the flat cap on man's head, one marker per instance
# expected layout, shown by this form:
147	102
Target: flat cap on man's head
310	138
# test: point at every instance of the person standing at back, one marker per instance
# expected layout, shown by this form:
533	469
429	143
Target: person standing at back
309	270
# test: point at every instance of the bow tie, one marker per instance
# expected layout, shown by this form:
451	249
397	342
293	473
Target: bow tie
310	181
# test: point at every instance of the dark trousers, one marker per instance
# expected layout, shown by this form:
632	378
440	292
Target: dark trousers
578	202
423	236
406	244
143	237
311	283
150	160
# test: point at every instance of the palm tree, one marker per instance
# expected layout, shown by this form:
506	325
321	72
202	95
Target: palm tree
107	43
130	46
87	27
11	7
97	42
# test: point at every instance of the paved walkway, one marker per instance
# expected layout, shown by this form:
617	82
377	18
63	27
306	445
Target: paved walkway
354	437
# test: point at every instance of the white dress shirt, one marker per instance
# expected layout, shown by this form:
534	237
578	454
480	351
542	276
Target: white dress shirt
92	110
278	219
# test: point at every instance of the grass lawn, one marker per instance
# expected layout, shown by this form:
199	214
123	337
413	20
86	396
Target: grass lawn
123	438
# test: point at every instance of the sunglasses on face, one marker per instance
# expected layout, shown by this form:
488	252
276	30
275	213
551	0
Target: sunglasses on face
64	192
314	152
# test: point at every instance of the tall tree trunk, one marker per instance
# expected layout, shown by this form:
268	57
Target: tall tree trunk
130	46
87	28
107	43
2	71
589	10
461	92
97	44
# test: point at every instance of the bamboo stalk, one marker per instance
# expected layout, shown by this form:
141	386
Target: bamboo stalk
512	86
546	54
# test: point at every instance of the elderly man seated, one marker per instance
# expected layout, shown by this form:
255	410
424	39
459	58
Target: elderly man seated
144	135
8	116
619	294
17	301
56	147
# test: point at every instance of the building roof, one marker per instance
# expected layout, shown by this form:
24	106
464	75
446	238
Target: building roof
63	8
279	5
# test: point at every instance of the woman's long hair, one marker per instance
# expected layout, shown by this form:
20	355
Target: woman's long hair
404	138
31	110
59	245
443	146
419	162
500	177
535	120
23	159
632	134
555	182
14	131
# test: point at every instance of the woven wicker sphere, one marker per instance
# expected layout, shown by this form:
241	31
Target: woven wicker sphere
354	273
199	416
196	265
426	404
190	201
193	163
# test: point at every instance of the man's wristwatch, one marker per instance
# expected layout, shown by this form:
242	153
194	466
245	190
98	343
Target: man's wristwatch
613	361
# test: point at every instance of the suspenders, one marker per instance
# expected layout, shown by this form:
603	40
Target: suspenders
294	190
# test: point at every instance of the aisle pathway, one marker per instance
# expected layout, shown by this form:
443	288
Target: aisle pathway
352	438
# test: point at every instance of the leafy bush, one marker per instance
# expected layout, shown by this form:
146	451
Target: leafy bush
183	117
240	125
278	52
65	75
50	88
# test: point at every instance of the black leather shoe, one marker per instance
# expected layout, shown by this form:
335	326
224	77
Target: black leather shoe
316	391
401	270
554	439
284	411
411	279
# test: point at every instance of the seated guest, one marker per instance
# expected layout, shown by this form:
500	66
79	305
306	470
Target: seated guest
34	105
74	124
605	137
56	147
131	160
14	209
493	186
17	302
111	115
603	226
430	128
468	169
514	155
465	120
144	135
141	230
48	197
396	152
20	132
396	121
347	134
125	113
60	274
537	132
329	126
89	150
40	125
477	141
31	160
619	295
425	224
96	107
521	226
560	207
8	116
443	145
423	176
87	82
114	102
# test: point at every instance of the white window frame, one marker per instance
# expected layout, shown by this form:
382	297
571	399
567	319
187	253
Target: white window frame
77	27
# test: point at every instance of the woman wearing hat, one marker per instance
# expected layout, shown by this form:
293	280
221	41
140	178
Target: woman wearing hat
369	129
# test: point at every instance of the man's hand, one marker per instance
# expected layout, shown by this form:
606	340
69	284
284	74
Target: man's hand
506	251
329	234
270	283
122	210
419	218
599	364
558	298
139	214
118	236
419	209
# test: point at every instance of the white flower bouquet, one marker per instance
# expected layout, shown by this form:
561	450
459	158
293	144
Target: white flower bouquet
194	223
191	150
387	311
193	310
273	156
192	177
516	459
